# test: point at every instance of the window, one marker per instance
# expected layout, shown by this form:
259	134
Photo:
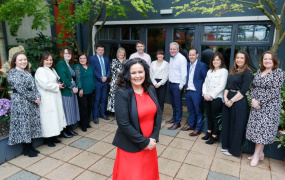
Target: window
155	41
108	34
130	34
254	33
217	33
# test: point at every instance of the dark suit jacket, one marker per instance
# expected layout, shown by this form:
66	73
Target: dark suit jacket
64	74
129	136
95	63
200	74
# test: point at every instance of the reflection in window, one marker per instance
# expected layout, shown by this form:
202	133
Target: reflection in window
254	32
112	33
254	53
155	41
130	49
208	51
185	38
217	33
104	33
110	50
130	34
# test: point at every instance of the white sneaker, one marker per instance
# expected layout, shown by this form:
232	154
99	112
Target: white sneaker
227	153
224	150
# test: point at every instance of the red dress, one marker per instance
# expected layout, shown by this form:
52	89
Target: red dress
141	165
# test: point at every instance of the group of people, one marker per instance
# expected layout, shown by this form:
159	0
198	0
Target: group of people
50	104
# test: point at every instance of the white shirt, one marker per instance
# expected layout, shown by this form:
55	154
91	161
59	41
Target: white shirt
102	65
145	57
191	76
160	72
178	69
215	83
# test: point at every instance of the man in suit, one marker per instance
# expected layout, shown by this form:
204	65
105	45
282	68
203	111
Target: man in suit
140	53
177	79
196	74
101	68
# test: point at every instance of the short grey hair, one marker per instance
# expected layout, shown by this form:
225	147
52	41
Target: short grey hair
174	43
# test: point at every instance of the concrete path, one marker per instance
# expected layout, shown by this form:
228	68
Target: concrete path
90	155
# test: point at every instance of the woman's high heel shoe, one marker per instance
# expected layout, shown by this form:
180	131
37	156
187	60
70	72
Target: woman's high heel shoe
212	140
27	151
207	136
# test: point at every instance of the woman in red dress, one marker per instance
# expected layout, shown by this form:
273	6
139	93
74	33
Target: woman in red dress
138	117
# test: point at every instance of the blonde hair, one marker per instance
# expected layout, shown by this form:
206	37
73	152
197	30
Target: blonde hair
121	49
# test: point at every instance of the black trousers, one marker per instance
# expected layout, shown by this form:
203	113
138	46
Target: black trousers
213	110
160	93
233	125
85	106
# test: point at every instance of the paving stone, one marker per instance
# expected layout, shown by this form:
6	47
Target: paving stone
168	167
277	166
109	127
220	155
101	148
220	176
7	170
67	141
66	171
167	132
204	148
98	134
112	154
226	167
264	164
104	166
174	154
160	148
185	135
109	139
85	159
44	166
88	175
24	175
181	143
25	161
44	149
66	153
277	176
165	140
84	143
249	173
198	159
192	172
113	122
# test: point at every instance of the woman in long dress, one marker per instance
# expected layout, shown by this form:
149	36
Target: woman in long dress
139	120
159	77
25	122
69	98
265	95
116	67
51	109
235	109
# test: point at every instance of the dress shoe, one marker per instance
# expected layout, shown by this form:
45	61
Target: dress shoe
175	126
33	149
70	131
27	151
104	117
95	120
55	140
65	134
49	142
171	121
187	128
88	126
212	140
207	136
84	129
195	133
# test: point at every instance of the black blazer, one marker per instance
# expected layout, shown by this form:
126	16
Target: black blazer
129	136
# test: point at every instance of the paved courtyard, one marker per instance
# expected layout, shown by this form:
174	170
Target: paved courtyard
90	155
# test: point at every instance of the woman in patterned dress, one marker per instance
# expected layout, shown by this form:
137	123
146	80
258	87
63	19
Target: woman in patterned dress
116	67
69	98
265	95
25	122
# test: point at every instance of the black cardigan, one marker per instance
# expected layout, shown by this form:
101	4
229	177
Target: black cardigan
129	136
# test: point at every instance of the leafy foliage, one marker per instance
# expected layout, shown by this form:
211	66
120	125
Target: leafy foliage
90	11
37	45
13	11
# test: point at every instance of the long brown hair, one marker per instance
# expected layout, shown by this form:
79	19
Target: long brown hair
274	60
245	67
44	56
14	58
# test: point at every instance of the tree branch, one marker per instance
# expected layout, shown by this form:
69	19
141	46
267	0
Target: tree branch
281	39
99	14
102	24
282	13
247	2
273	9
76	43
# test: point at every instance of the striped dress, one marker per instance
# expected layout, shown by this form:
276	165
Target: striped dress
70	104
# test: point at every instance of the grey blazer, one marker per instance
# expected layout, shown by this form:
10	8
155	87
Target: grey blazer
129	136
